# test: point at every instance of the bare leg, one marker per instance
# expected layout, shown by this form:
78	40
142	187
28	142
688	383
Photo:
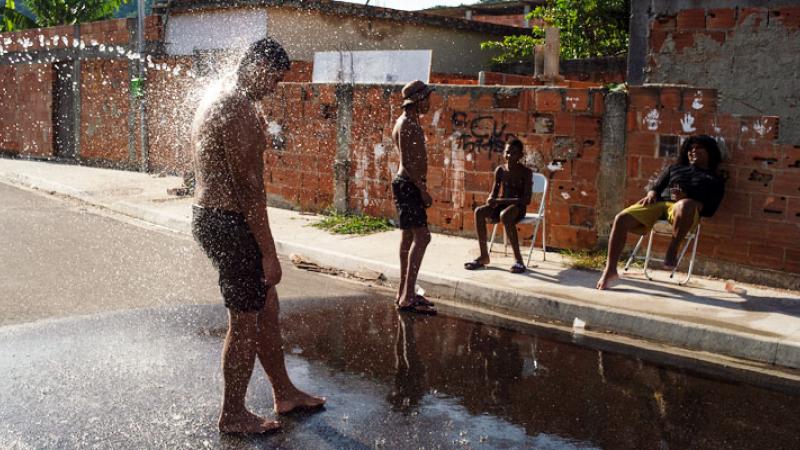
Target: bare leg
270	353
238	359
623	223
684	211
481	214
405	247
421	239
509	219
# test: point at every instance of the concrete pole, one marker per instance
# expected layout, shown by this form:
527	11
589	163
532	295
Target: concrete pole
538	61
142	112
552	53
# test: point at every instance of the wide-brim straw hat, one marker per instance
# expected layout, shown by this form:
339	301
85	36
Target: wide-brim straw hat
415	91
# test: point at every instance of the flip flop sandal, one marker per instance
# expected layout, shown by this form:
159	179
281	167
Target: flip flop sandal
418	308
474	265
423	301
419	299
517	268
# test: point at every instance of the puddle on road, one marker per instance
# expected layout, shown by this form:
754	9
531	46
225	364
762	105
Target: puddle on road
482	386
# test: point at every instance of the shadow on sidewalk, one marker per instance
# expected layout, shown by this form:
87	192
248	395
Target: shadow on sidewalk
670	290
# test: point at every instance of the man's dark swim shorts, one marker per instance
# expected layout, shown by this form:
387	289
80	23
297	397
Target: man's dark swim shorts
233	250
408	201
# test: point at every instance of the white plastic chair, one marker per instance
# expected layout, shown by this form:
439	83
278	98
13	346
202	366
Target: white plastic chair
692	237
540	184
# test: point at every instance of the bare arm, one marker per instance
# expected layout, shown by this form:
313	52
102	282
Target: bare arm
655	189
244	142
498	178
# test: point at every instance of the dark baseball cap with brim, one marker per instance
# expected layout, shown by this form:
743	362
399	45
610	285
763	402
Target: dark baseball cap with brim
415	91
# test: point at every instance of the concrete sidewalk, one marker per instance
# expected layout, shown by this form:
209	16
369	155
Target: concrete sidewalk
762	325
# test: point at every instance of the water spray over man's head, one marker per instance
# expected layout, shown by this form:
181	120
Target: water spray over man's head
262	67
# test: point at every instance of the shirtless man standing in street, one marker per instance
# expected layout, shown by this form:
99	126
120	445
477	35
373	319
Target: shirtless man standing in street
230	223
411	195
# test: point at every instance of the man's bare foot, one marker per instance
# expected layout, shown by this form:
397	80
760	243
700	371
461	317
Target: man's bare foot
246	422
607	280
299	401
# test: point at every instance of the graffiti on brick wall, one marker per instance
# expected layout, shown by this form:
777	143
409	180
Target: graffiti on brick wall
482	133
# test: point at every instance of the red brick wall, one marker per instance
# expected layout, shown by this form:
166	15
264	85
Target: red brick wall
171	98
758	223
32	41
104	110
300	158
463	154
510	79
465	130
26	109
9	127
299	72
107	32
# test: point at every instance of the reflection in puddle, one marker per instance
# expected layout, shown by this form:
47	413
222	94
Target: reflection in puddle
487	387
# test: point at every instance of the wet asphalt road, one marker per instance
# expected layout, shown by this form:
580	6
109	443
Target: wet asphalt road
59	258
111	338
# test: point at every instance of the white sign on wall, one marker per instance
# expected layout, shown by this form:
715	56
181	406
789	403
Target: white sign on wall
372	67
214	30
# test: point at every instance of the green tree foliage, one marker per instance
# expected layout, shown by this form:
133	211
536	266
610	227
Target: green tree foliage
589	28
12	19
68	12
50	13
131	9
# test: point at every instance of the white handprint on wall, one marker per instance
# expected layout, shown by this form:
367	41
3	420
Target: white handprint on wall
652	120
697	103
760	127
688	123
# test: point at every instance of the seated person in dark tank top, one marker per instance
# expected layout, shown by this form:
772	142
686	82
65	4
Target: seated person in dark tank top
507	205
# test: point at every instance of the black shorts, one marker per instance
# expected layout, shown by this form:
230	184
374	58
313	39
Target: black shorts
233	250
408	201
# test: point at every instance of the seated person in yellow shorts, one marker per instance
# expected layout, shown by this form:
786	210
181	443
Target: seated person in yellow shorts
695	190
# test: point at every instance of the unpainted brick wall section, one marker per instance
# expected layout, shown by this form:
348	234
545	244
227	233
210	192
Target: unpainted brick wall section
104	110
465	132
26	109
302	128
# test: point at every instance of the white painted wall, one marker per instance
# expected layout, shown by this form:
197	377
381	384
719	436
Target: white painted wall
372	66
213	30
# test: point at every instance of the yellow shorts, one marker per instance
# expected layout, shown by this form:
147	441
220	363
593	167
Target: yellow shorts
650	214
